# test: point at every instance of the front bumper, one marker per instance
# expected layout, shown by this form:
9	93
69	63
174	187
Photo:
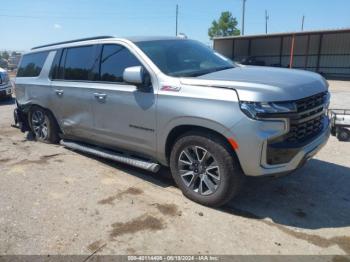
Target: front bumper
252	137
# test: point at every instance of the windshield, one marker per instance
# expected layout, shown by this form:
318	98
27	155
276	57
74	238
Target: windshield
184	58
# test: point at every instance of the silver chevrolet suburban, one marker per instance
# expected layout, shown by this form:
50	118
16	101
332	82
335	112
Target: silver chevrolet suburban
173	102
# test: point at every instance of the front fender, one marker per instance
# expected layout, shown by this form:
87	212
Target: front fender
186	121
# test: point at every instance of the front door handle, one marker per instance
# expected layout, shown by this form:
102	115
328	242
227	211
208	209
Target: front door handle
59	92
100	97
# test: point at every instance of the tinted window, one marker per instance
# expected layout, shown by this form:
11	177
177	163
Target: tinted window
55	68
79	62
184	57
114	60
32	64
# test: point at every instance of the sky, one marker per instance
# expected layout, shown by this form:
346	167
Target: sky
28	23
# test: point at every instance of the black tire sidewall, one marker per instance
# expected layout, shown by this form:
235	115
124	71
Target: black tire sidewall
230	173
344	135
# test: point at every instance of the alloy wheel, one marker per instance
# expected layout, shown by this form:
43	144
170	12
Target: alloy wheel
199	170
40	125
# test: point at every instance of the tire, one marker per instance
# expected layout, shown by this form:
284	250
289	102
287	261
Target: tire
43	125
343	134
224	182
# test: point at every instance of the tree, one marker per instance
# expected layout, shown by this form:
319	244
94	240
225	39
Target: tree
5	55
225	26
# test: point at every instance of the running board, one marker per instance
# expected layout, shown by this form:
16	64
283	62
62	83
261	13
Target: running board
108	154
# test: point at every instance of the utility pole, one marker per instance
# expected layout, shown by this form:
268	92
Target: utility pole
243	16
266	19
177	19
302	23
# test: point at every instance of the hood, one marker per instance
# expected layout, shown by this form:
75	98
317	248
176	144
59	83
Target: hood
264	84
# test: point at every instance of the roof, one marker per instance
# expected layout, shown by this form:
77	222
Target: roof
134	39
333	31
73	41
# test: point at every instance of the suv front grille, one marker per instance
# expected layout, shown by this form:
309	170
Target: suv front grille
306	124
309	120
303	131
311	102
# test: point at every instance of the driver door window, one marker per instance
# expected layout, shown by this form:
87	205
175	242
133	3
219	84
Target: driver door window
114	60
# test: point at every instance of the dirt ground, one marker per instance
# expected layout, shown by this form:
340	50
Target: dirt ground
56	201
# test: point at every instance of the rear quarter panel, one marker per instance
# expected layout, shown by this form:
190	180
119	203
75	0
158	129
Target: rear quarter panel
35	90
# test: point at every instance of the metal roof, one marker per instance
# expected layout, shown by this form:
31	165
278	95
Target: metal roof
333	31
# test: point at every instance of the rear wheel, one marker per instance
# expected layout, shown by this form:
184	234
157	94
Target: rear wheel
43	125
205	169
343	134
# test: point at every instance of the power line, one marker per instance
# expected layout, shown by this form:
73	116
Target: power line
84	18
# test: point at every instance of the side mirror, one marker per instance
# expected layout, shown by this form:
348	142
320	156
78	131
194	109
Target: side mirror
138	76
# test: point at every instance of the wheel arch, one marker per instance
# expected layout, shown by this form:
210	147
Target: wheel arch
28	107
180	130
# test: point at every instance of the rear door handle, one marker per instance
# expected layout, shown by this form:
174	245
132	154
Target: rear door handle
59	92
100	97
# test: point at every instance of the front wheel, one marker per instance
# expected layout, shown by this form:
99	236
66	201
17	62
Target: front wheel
43	125
205	169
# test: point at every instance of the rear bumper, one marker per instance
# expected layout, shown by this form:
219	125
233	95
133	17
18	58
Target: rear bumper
21	120
253	136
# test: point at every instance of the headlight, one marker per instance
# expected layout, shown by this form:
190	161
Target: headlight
258	110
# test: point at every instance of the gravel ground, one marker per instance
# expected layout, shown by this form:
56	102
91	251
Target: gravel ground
56	201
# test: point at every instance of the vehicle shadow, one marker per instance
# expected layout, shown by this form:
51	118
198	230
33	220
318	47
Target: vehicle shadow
8	101
316	196
162	178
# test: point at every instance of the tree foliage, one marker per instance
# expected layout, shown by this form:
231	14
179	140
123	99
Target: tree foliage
225	26
5	55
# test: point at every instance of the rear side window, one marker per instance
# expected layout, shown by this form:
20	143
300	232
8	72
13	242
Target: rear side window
78	62
32	64
55	65
114	60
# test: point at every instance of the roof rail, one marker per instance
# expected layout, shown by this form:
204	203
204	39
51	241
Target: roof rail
73	41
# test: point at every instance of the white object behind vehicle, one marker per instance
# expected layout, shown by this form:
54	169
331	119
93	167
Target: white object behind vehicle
342	119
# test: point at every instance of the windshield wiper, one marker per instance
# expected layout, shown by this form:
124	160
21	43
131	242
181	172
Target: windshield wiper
208	71
222	68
